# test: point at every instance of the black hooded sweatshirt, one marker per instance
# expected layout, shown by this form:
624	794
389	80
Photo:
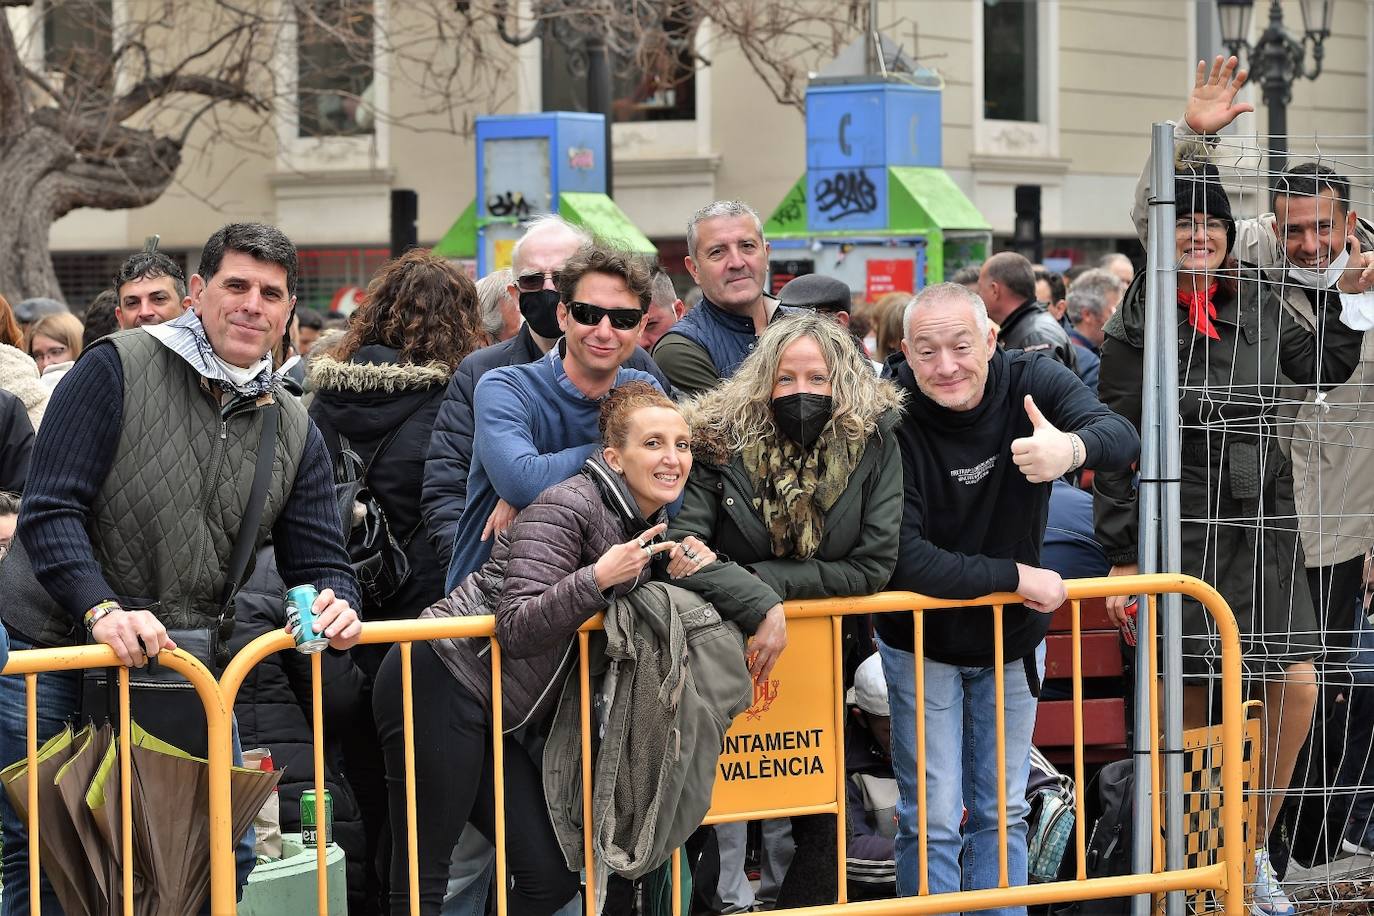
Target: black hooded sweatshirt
970	515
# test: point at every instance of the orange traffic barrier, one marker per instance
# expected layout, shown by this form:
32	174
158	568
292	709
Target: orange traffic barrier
787	751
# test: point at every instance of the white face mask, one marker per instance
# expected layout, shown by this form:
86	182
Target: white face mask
1320	279
243	376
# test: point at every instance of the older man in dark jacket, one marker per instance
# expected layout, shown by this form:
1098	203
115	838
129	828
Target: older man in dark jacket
1007	286
986	431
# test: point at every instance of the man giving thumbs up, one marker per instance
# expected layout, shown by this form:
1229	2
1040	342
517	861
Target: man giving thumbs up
985	432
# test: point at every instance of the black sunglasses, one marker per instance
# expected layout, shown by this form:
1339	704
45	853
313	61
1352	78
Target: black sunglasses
533	282
591	315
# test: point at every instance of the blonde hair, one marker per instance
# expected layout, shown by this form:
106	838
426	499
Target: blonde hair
739	411
64	327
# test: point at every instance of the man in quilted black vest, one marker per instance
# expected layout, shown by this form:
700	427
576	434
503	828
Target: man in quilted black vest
140	482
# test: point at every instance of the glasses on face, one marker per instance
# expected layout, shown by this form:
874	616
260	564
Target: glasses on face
534	280
52	355
1188	226
591	315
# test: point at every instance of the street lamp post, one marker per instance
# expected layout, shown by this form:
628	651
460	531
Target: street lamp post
1277	59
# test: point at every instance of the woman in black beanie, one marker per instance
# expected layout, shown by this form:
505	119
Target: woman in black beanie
1241	356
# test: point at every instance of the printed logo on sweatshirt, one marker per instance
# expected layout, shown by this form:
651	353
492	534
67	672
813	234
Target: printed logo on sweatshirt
973	475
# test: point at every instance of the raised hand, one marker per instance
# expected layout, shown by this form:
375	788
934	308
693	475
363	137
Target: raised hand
1358	276
624	562
1213	103
1047	454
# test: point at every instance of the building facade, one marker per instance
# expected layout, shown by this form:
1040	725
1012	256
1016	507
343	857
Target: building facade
1056	93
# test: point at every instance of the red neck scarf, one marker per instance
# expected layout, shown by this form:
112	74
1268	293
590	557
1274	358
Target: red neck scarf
1201	311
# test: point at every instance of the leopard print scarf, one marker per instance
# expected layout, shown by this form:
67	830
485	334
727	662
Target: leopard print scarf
795	489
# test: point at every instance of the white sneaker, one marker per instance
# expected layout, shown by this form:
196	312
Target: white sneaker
1267	896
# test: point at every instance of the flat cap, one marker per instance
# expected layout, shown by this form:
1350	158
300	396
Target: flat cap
816	291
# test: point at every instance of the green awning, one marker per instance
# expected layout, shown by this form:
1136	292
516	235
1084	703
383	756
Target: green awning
461	239
596	213
600	216
927	198
919	200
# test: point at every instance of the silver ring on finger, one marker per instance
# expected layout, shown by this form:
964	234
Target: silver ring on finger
689	553
641	542
648	554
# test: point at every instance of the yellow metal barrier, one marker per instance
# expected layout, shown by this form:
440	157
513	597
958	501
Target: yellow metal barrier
32	662
1224	877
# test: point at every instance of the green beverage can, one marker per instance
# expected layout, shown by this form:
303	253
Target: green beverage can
316	820
300	619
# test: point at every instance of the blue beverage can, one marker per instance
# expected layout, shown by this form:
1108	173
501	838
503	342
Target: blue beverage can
300	619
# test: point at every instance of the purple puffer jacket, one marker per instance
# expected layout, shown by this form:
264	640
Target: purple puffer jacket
540	585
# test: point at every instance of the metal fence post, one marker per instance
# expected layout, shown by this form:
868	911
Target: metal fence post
1159	506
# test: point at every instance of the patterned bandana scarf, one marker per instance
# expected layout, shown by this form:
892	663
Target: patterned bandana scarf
185	336
795	489
1201	311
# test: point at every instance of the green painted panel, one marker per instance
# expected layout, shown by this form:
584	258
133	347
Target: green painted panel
461	239
600	216
789	219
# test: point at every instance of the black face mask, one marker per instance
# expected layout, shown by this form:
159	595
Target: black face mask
801	417
540	309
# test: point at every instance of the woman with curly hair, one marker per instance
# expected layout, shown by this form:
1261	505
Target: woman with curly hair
377	391
798	480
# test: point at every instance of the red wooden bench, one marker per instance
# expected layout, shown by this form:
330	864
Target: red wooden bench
1104	719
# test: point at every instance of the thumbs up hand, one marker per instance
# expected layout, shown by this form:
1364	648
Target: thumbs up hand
1358	276
1047	453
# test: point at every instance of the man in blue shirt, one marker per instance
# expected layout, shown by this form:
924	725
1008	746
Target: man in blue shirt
535	424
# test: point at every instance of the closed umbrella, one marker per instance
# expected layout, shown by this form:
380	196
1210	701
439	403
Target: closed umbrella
171	823
69	846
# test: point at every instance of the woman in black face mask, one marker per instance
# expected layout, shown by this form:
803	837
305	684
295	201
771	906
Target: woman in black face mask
798	480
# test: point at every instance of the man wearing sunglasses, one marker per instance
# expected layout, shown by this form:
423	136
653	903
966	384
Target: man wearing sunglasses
727	256
537	262
536	424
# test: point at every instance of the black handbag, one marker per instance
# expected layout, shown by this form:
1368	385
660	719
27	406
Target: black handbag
163	702
376	553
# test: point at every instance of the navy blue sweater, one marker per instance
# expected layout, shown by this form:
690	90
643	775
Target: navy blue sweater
73	456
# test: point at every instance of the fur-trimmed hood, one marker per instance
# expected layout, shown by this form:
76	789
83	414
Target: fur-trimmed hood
328	373
365	396
714	416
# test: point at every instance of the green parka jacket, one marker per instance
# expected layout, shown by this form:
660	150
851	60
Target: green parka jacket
858	549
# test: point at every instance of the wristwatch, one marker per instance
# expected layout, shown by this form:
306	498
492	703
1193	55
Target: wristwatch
94	615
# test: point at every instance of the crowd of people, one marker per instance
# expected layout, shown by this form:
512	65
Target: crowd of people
568	436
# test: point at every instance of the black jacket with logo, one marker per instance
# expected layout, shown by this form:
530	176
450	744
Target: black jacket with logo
970	515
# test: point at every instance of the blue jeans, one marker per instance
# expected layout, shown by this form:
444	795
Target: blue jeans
59	698
961	772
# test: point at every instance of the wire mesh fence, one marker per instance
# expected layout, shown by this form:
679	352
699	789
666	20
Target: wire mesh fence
1276	420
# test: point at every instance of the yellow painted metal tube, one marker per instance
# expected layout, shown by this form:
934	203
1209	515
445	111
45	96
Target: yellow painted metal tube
126	792
677	882
841	780
408	741
999	680
317	726
498	764
1080	828
31	696
918	645
764	814
585	716
1156	730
